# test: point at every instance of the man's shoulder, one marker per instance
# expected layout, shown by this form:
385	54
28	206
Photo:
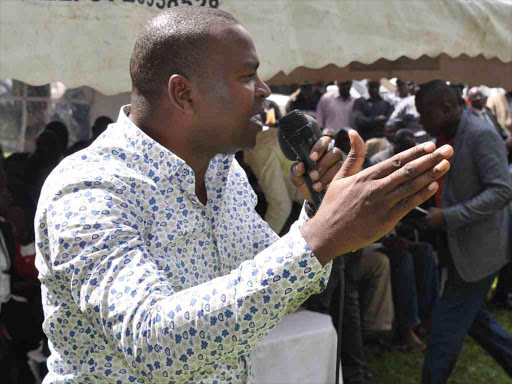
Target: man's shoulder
330	95
360	102
88	167
475	125
479	132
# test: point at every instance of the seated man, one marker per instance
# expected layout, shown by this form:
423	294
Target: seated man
379	144
367	306
415	282
403	140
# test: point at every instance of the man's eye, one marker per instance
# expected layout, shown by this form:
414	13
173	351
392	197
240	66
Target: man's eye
250	77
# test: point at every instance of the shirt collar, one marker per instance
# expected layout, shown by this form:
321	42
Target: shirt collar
158	160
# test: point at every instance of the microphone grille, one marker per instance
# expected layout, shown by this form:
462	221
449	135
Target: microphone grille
293	121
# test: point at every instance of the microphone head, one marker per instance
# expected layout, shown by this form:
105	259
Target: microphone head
296	126
293	121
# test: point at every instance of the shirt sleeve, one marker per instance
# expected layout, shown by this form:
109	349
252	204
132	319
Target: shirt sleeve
397	113
98	254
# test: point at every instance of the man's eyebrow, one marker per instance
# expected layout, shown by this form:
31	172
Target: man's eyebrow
252	64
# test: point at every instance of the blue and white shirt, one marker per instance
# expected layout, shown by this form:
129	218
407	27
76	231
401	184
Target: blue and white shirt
144	284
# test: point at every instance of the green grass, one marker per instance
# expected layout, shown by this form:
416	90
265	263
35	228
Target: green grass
474	365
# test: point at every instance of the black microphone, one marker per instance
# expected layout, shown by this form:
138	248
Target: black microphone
297	135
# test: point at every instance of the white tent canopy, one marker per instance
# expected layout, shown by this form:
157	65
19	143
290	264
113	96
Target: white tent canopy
89	42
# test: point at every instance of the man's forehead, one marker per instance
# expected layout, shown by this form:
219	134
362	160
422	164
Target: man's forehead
234	43
229	33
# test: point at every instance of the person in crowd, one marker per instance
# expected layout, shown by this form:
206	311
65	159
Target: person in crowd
471	203
272	169
401	93
42	161
367	310
477	100
305	99
61	131
367	307
415	283
26	173
500	105
334	110
149	245
370	115
261	205
378	144
412	87
401	141
20	300
271	113
406	115
100	125
342	141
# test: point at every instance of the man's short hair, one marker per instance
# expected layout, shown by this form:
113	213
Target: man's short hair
404	134
436	91
61	130
100	125
173	42
373	84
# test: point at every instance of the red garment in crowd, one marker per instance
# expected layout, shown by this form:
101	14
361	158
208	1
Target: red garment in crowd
25	263
441	140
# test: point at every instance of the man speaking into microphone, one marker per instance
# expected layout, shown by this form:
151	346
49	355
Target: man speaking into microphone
155	268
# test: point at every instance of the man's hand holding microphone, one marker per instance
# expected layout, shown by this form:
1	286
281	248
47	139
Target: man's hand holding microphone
358	208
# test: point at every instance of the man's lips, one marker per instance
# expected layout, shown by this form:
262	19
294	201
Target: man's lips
256	120
256	117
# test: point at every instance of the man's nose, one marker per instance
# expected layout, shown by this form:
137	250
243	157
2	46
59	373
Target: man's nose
262	89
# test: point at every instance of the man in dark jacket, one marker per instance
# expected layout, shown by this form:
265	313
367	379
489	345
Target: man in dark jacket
471	215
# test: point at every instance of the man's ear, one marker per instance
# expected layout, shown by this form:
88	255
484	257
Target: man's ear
179	91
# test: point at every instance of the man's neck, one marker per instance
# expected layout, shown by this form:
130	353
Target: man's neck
168	135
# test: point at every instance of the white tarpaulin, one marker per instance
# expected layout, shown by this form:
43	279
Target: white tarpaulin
89	42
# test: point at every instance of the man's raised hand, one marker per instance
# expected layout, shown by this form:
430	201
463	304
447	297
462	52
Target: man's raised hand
359	208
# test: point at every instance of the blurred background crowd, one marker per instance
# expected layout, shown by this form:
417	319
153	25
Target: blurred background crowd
390	286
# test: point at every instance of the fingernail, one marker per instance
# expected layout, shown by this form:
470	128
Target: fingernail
314	156
446	150
314	175
442	166
430	146
432	186
317	187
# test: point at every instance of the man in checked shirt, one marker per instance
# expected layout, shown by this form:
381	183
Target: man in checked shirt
154	266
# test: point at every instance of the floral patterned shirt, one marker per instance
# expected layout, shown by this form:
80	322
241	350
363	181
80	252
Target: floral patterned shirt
142	283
